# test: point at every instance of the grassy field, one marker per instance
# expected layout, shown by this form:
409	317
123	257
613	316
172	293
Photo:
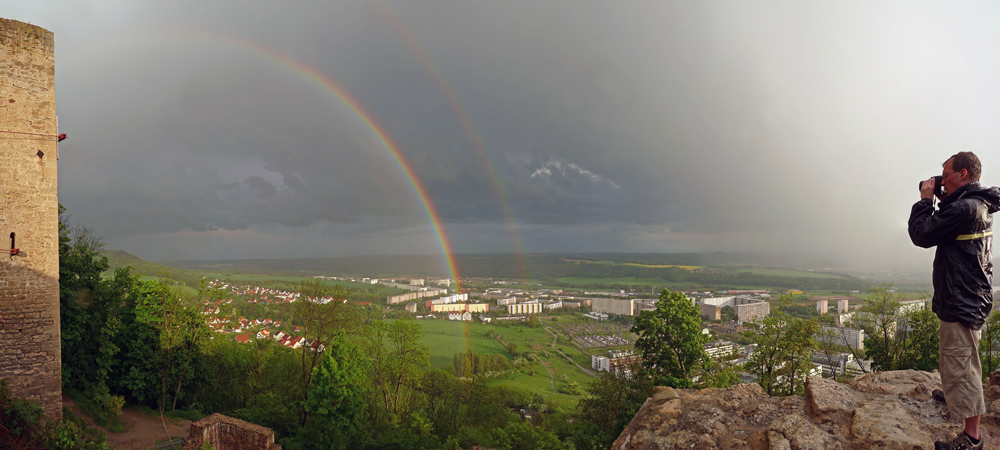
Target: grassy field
446	338
790	273
633	281
661	266
653	266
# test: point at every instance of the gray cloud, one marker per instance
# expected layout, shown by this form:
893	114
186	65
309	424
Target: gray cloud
670	126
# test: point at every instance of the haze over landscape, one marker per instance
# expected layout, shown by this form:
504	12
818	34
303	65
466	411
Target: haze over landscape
211	130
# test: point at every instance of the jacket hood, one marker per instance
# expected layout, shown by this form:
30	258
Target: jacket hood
989	195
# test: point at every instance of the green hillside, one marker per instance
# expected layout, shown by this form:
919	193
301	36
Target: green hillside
120	258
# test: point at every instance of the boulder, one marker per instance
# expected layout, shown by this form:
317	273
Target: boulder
885	410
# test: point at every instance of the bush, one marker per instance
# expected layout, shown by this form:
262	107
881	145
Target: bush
21	427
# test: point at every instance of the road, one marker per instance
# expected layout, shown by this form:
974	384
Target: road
555	339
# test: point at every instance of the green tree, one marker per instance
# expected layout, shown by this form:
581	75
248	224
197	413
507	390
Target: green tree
87	319
728	314
990	335
336	399
923	334
670	339
782	357
828	344
610	404
323	314
525	436
182	330
718	372
397	357
897	338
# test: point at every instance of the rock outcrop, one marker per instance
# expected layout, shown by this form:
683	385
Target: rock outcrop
885	410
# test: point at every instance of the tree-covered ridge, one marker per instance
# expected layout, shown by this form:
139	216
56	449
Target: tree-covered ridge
118	259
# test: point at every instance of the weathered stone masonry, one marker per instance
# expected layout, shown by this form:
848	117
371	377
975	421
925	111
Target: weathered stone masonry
29	282
226	433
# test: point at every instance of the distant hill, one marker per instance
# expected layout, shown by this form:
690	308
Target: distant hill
724	269
120	258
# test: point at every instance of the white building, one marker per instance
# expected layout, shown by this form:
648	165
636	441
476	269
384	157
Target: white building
719	348
843	336
821	306
454	298
909	306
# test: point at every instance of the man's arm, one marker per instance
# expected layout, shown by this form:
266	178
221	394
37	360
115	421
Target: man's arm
928	228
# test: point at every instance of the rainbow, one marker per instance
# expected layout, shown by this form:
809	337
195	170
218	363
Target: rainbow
342	95
496	183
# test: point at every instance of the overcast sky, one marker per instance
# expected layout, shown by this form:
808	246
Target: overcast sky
198	131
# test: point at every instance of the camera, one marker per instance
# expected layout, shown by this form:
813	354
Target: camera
938	189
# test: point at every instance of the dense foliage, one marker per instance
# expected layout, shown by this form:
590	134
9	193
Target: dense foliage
22	426
897	338
147	343
670	340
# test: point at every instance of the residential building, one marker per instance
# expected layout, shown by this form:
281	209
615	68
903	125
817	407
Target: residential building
461	307
619	306
843	336
616	359
710	312
719	348
821	306
908	306
403	298
524	308
750	309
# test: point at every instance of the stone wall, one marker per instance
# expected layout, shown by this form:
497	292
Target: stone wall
29	282
226	433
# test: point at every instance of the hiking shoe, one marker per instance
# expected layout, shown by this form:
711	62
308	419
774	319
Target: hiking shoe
962	442
938	395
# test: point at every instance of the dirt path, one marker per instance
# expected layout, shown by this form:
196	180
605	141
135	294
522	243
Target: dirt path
551	375
141	430
556	339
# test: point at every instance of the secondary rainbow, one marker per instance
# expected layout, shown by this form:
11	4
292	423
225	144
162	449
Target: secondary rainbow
342	95
496	183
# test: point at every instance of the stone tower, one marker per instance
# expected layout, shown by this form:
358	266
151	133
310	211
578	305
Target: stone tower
29	217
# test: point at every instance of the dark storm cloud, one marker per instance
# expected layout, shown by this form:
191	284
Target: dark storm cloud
666	126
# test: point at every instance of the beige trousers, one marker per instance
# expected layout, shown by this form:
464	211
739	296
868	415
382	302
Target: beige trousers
961	373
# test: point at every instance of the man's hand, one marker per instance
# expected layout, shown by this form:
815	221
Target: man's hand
927	189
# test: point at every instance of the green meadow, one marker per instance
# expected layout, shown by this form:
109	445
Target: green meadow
790	273
630	281
445	338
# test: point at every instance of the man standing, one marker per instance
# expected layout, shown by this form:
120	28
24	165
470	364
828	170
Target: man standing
961	229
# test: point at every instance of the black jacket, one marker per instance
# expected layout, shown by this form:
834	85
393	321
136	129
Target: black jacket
963	264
